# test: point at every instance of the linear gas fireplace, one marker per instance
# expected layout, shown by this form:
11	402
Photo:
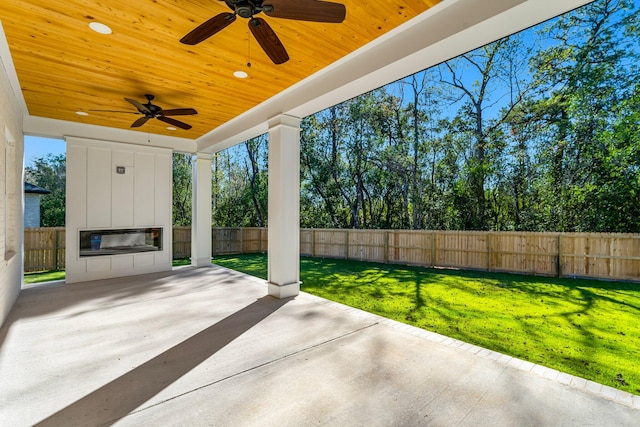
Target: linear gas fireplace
119	241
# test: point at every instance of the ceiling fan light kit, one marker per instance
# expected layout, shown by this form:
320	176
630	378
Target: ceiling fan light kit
100	28
301	10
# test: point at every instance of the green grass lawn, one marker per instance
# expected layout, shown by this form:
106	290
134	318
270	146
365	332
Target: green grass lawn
43	276
586	328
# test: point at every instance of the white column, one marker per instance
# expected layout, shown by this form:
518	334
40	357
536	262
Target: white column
201	211
284	206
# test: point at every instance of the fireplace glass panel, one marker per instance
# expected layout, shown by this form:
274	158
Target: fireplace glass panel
119	241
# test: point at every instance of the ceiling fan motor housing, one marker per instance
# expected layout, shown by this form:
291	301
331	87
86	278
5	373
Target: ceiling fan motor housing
244	11
154	110
245	8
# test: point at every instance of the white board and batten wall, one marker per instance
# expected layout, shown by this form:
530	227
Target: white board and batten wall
98	197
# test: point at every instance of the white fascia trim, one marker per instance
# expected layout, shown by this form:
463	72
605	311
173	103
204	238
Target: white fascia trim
41	126
230	136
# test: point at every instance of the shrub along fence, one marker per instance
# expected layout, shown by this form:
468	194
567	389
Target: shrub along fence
613	256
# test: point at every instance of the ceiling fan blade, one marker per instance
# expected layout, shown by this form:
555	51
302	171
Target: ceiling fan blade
140	122
208	28
268	40
305	10
116	111
142	108
179	112
174	122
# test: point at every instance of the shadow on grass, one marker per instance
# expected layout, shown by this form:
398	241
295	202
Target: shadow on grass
419	299
581	326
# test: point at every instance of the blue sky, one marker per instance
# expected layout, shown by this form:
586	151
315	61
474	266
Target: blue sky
36	147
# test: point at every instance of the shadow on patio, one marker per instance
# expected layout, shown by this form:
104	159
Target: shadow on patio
207	347
124	394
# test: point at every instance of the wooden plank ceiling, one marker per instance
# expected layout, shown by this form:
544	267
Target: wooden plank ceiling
64	67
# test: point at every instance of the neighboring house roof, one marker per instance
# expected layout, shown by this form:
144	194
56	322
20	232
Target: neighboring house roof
30	188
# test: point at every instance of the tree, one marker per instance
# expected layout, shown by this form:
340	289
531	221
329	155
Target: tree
49	172
494	81
182	189
584	81
256	170
536	132
239	185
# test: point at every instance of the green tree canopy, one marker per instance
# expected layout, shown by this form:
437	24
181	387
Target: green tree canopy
49	172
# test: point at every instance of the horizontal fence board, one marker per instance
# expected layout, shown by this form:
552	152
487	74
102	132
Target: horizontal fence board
614	256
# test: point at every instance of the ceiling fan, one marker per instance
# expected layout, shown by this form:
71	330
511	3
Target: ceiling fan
152	111
302	10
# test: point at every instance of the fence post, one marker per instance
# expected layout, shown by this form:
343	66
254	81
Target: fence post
559	261
55	249
488	251
346	245
386	246
433	249
241	240
313	242
49	263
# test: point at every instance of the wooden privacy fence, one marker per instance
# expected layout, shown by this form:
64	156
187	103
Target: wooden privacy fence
613	256
44	249
227	240
224	241
181	242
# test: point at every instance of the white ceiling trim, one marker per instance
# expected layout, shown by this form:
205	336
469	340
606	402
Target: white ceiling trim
41	126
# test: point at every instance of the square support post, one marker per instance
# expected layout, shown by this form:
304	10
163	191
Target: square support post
201	211
284	206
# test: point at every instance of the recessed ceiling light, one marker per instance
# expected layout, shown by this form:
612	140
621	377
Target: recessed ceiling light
99	27
240	74
171	128
82	113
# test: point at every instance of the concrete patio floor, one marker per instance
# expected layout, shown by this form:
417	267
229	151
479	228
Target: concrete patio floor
206	347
